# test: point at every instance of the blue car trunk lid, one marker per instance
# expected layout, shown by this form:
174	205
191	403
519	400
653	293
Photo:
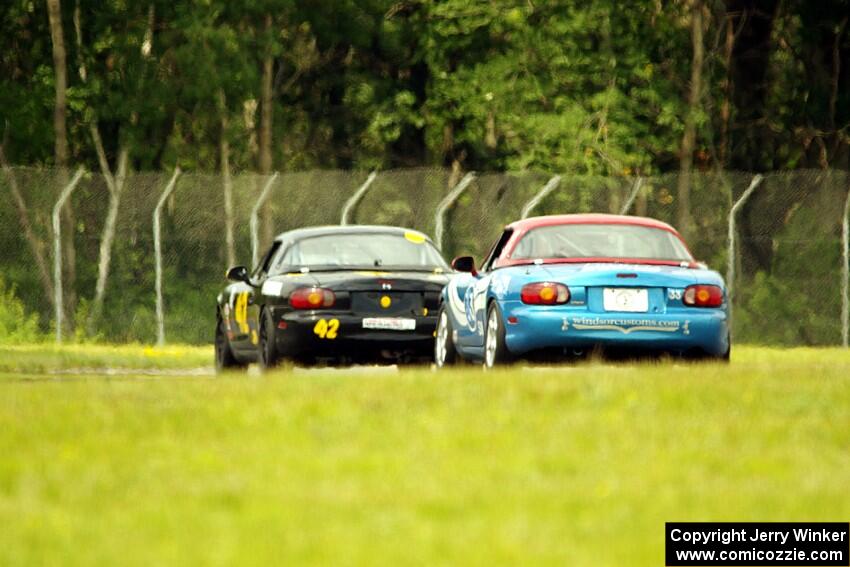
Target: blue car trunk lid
626	275
587	282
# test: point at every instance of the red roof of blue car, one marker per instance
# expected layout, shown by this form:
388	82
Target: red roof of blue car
591	218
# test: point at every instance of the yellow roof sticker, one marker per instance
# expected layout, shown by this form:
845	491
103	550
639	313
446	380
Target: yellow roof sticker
414	237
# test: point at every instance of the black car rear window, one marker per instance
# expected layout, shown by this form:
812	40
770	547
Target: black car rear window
363	251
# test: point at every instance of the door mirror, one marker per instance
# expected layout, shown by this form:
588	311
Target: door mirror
464	264
238	274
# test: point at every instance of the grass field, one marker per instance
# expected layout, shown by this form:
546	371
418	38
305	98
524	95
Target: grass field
569	465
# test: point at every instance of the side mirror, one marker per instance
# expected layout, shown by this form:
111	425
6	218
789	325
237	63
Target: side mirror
464	264
238	274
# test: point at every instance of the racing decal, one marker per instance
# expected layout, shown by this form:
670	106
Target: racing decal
474	300
326	328
455	302
240	312
469	309
625	326
675	294
478	294
272	288
500	284
414	237
225	317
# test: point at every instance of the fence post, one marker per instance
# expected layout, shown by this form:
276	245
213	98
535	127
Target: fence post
57	251
550	186
255	220
845	284
446	203
157	251
628	204
354	199
730	266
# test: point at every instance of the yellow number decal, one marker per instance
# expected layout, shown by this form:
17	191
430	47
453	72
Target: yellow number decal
240	312
333	327
326	328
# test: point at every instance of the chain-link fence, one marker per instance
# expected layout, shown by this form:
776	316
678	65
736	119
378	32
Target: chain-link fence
789	236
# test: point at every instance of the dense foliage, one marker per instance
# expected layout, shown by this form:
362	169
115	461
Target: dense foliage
599	87
16	325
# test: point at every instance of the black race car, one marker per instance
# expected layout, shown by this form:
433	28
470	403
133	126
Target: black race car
339	294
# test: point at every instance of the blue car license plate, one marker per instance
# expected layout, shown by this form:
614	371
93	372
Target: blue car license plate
628	299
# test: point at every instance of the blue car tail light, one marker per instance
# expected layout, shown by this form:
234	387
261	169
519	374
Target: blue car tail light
703	296
545	293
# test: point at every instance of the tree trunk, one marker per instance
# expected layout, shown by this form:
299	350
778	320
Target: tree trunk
686	155
224	153
835	82
490	139
640	202
60	73
749	65
115	185
35	243
266	118
726	85
81	66
60	147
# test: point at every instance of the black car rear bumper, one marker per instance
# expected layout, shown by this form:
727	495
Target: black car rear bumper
302	335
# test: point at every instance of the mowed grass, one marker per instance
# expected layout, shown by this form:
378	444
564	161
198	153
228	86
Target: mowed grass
51	358
564	465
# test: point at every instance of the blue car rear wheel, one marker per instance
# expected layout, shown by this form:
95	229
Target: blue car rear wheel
495	350
445	353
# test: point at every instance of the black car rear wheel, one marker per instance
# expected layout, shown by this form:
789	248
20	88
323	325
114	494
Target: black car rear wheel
268	357
224	357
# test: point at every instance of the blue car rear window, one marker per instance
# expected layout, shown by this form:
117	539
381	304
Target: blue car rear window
601	241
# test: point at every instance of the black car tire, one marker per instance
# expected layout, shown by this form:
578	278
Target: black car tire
445	353
495	350
224	357
268	357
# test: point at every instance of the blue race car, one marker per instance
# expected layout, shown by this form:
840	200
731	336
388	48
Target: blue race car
567	285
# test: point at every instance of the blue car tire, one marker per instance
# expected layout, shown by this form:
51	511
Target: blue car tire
495	350
445	353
